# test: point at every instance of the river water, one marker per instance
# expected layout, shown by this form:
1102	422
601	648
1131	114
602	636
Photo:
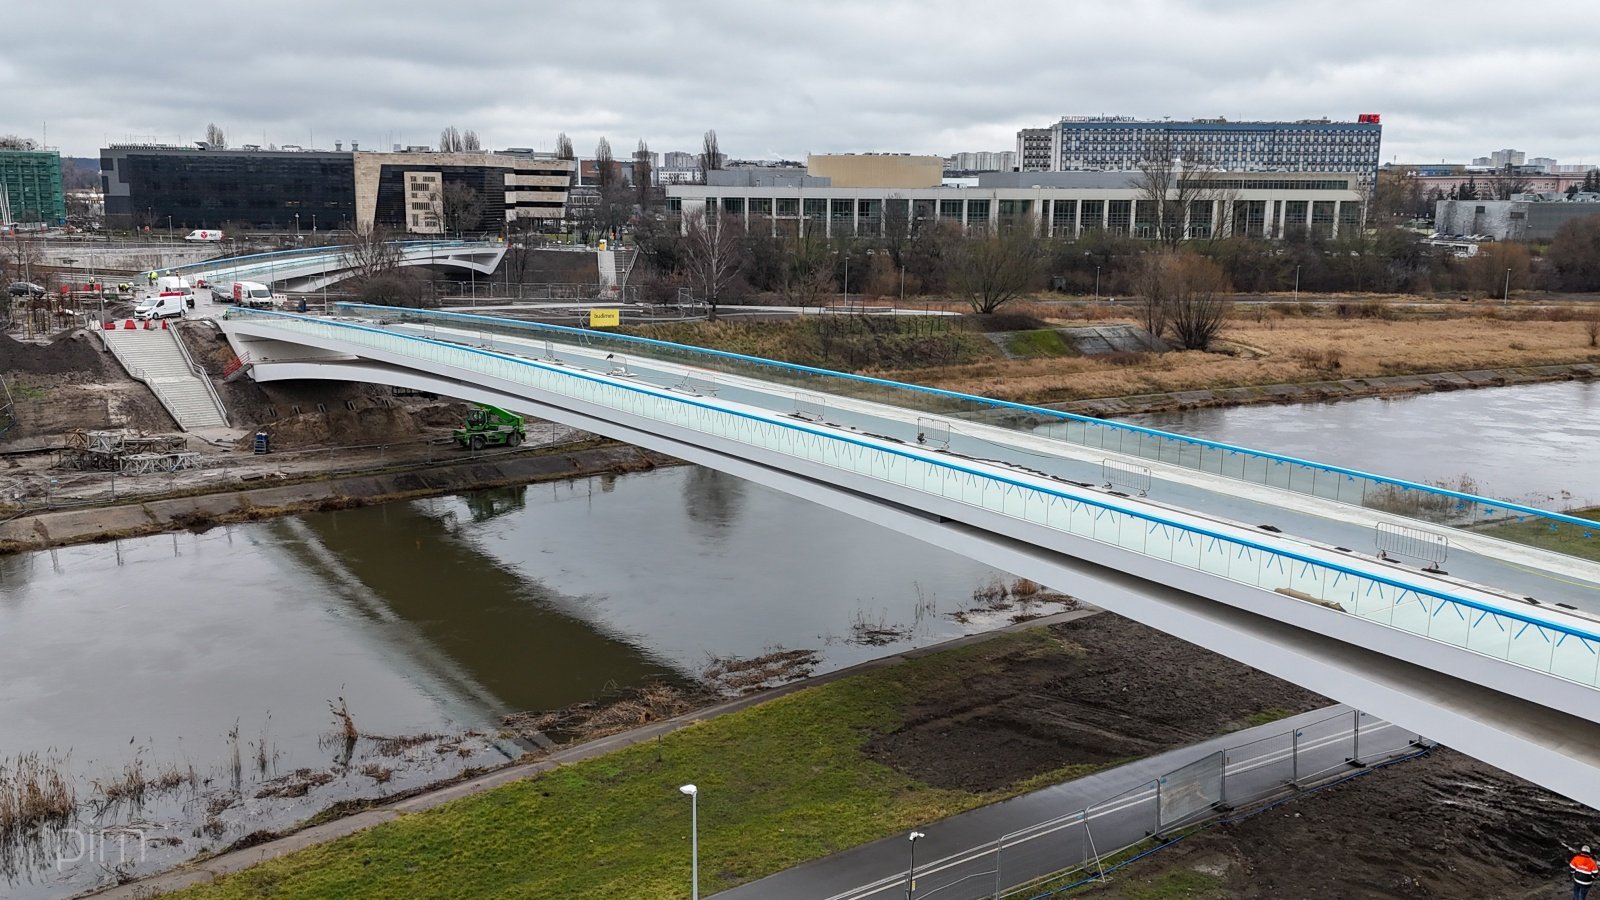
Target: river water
189	652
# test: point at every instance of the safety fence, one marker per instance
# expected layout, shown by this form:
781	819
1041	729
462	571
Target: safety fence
1078	848
1431	504
1538	638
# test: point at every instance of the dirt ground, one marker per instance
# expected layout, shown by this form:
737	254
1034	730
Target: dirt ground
1115	690
1442	826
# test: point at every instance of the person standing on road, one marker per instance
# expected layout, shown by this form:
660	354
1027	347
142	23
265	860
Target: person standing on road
1584	869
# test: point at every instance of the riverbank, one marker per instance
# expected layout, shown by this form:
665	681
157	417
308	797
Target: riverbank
223	504
786	776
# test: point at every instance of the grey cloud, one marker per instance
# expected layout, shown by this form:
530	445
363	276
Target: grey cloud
784	79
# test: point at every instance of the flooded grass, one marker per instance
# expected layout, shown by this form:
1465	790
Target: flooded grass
34	794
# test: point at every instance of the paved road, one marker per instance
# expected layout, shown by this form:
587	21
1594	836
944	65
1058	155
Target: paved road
956	857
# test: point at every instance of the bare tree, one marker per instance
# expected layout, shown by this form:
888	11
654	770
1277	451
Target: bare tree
807	277
215	138
605	165
642	175
458	207
564	147
370	252
13	142
1185	292
710	155
453	140
1180	191
711	255
1507	182
992	269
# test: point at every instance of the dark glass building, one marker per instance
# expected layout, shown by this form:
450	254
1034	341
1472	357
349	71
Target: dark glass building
199	188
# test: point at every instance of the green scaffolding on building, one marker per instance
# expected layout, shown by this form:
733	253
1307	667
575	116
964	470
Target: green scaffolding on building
32	182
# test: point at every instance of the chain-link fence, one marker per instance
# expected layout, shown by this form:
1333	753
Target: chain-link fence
1080	846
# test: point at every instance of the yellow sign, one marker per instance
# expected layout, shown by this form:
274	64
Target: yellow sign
601	318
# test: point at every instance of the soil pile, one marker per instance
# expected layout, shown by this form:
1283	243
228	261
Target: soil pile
1121	690
1443	826
67	354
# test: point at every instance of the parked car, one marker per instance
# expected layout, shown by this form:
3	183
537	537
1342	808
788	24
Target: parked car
26	289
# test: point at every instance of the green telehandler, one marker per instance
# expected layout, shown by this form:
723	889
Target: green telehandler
490	426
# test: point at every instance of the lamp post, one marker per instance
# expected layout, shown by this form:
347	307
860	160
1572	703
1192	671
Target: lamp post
1097	282
313	228
1506	299
694	839
297	226
911	871
1297	284
169	228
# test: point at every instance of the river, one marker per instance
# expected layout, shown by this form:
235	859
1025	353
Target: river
220	654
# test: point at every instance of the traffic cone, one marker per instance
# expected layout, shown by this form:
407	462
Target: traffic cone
163	324
129	326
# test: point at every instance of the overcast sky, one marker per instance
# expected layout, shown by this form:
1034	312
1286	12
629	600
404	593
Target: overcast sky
1452	81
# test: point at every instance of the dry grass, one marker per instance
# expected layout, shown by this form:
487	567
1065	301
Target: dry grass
1279	349
33	794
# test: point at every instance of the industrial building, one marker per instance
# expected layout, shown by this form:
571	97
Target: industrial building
1525	217
318	190
1120	143
1065	204
30	187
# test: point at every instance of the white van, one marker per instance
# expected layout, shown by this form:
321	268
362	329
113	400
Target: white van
166	304
203	235
173	283
253	294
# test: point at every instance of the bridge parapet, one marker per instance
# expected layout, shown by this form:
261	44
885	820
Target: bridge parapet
1297	573
1433	505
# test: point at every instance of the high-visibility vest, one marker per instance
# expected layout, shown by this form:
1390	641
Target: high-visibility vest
1584	868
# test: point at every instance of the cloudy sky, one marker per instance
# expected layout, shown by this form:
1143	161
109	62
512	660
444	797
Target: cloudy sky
1452	81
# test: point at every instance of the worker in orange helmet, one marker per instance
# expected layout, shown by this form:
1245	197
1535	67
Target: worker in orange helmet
1584	869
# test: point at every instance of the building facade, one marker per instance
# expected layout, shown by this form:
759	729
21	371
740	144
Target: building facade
314	190
431	193
982	161
1067	204
1529	217
149	185
892	170
1121	143
31	182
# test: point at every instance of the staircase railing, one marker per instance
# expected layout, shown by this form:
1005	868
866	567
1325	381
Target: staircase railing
200	373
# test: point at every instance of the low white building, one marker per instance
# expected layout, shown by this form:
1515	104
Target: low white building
1066	204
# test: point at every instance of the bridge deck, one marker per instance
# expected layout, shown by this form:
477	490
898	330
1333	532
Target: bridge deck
1470	558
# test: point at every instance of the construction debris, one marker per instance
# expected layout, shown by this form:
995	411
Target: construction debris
125	453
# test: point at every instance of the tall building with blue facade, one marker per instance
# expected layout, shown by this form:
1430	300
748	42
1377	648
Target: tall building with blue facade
1121	143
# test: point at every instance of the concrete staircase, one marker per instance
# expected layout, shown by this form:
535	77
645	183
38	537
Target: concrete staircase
608	268
157	358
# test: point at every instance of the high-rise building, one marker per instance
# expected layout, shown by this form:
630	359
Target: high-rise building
1121	143
31	180
982	161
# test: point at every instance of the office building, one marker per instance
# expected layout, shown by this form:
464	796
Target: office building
1121	143
982	161
185	188
188	187
31	182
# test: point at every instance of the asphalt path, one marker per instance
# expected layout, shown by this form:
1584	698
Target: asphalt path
1018	841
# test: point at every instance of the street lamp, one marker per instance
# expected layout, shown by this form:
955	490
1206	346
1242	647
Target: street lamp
297	226
169	228
1097	282
694	839
1506	300
1297	284
313	227
911	871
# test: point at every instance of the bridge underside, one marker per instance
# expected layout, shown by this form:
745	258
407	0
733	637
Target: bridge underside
318	272
1410	683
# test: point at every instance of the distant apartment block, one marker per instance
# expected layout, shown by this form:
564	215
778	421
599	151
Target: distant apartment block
1121	143
982	161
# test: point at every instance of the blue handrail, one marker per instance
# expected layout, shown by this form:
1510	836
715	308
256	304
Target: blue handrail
922	457
1005	404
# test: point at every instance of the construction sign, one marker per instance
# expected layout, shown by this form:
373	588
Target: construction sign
605	318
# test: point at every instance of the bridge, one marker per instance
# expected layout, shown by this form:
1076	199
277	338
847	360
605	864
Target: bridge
314	268
1397	598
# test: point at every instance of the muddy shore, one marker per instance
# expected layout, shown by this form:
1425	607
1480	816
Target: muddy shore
239	504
